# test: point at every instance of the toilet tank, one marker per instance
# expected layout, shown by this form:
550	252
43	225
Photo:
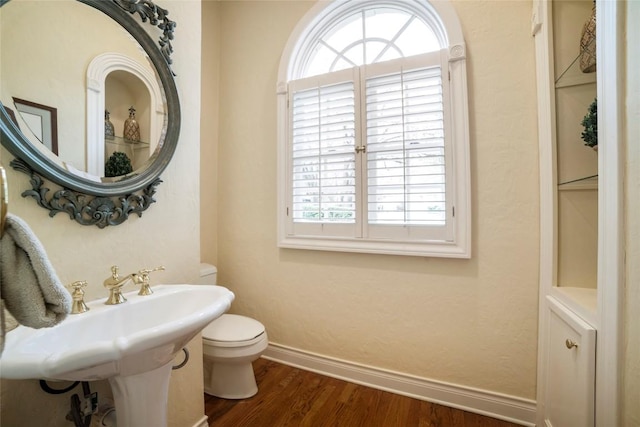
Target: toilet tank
208	274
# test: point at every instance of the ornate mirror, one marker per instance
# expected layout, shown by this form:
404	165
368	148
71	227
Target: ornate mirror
89	103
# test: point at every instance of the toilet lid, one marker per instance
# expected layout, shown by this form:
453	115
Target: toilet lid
232	327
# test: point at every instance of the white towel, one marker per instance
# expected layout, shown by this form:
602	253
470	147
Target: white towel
29	286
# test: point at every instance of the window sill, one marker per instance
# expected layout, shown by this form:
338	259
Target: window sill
422	248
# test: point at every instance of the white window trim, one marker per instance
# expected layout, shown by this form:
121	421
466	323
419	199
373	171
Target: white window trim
441	15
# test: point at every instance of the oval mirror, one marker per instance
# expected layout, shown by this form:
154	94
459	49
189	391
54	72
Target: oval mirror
73	95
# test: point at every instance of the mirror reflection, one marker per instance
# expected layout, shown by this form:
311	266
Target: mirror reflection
93	74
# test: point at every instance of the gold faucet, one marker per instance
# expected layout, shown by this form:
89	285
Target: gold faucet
115	283
142	279
78	306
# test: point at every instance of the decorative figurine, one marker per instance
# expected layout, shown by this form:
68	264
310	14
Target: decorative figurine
131	127
588	44
109	133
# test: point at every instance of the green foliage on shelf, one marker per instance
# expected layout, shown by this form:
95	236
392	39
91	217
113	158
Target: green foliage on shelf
117	165
590	123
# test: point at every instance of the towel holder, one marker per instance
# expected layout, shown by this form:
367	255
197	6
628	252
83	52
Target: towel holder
4	199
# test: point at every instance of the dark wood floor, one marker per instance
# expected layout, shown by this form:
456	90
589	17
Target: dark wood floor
292	397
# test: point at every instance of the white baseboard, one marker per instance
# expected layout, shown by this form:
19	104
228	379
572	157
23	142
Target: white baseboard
204	422
496	405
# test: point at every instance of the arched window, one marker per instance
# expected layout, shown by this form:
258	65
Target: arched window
373	130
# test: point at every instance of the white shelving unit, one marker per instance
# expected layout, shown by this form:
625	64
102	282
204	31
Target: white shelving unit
580	217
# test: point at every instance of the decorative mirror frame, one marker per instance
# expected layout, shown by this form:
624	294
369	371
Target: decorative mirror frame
105	203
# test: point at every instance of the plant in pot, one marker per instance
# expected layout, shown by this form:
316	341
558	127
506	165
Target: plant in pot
590	123
118	164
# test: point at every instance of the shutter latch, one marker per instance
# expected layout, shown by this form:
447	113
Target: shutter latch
361	149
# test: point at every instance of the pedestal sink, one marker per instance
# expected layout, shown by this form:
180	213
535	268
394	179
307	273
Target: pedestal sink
131	344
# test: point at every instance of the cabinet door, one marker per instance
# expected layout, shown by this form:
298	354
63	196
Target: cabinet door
570	393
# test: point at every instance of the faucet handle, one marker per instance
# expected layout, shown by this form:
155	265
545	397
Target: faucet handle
147	271
78	285
142	278
78	306
114	272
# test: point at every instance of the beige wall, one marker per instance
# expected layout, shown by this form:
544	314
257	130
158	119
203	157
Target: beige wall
209	127
167	234
631	353
469	322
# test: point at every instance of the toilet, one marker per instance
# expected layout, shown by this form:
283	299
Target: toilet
229	345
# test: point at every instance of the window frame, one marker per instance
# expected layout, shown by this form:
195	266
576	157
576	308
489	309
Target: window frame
443	20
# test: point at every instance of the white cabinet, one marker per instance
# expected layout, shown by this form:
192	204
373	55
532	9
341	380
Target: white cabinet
570	361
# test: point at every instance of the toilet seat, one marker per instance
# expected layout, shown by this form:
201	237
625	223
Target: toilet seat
232	330
229	345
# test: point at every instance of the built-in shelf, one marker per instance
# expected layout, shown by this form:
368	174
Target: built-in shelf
580	230
572	75
580	184
138	151
122	142
575	204
583	301
577	80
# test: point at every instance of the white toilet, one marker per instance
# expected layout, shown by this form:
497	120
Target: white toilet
229	345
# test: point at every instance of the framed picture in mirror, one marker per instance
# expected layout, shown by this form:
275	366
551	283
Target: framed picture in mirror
41	120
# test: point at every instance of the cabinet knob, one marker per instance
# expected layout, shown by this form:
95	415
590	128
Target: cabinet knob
570	344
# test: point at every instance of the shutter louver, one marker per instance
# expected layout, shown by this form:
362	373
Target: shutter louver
405	149
323	157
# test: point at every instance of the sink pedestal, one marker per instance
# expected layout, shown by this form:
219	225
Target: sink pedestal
141	399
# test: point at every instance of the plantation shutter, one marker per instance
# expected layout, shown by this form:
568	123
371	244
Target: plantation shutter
391	183
406	153
323	158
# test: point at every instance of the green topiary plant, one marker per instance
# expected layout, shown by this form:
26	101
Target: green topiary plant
590	123
118	164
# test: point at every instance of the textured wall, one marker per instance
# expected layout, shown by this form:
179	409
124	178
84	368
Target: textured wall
167	234
631	353
470	322
209	128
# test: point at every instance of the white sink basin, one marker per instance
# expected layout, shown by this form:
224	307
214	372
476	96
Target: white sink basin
137	336
118	342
